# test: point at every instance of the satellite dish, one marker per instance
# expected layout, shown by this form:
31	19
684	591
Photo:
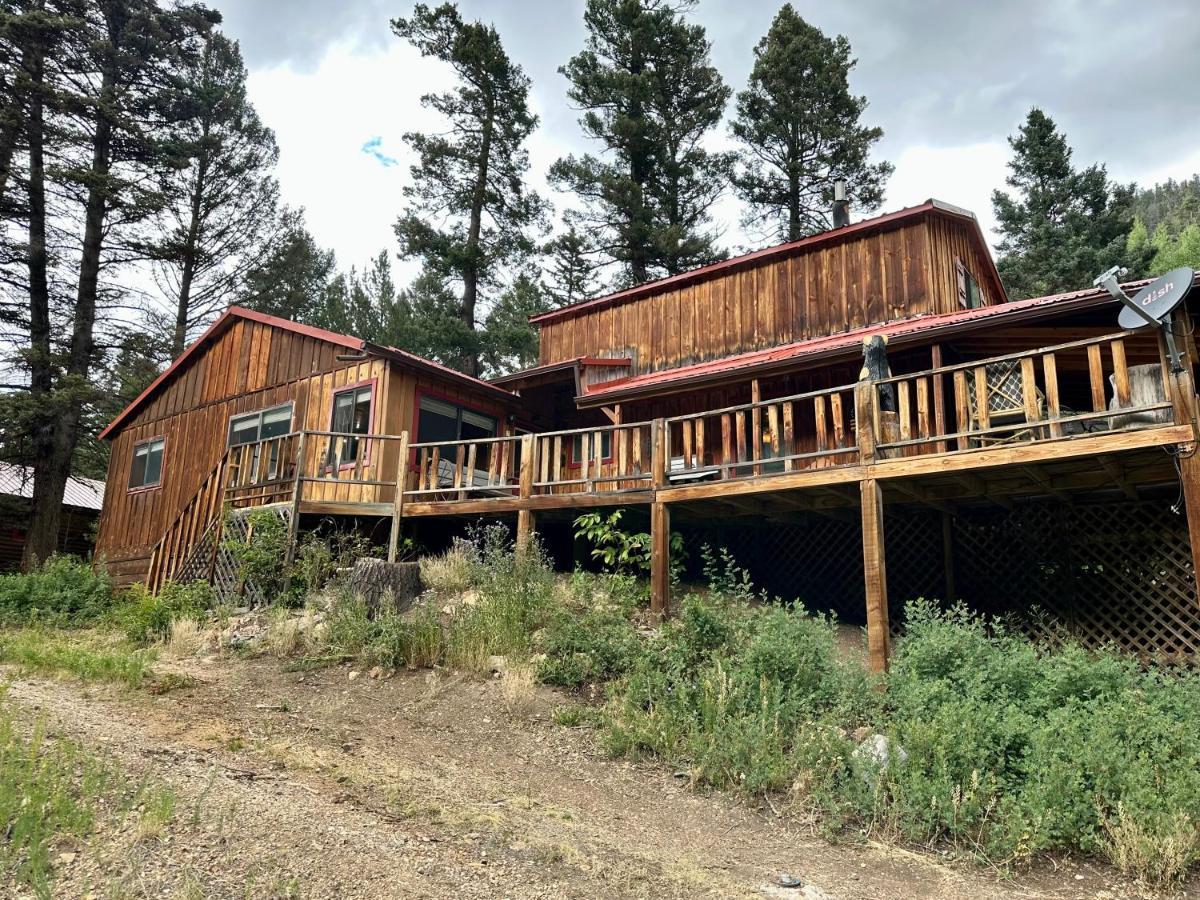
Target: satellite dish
1156	301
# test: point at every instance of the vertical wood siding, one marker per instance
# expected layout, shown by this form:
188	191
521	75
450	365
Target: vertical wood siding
903	272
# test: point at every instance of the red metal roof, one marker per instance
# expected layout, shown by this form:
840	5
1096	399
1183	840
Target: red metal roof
888	220
836	344
566	365
342	340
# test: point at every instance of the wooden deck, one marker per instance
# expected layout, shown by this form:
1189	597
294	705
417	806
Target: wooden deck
854	440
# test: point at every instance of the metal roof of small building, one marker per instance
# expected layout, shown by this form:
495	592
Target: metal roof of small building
84	493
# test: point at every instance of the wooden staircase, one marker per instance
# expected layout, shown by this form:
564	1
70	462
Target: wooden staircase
188	549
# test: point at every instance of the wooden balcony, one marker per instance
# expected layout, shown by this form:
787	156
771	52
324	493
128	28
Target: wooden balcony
905	425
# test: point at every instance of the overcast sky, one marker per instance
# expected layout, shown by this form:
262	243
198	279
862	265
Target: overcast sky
946	80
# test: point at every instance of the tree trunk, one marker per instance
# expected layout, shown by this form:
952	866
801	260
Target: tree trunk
48	483
184	300
53	466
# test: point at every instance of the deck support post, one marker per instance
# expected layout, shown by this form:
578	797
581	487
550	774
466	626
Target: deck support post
660	523
875	574
398	500
525	519
948	554
297	495
660	560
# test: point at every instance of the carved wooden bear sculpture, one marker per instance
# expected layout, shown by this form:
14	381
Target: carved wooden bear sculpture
875	368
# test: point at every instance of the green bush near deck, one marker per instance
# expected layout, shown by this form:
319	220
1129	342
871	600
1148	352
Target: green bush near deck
62	592
996	746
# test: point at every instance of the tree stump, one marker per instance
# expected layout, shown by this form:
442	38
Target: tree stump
380	582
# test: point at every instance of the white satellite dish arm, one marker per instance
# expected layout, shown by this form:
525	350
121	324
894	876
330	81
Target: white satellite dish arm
1108	281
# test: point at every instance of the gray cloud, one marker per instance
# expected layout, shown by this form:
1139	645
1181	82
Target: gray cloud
1119	77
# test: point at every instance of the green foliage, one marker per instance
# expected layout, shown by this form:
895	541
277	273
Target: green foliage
599	645
622	551
1061	227
1165	251
87	657
649	95
52	790
322	553
387	638
469	212
147	617
800	127
62	592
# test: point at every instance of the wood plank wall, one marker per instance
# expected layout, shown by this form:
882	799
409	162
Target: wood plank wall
902	272
247	367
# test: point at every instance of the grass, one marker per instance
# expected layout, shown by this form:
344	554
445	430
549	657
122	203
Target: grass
52	789
87	655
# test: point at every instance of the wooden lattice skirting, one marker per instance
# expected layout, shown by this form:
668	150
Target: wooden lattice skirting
1113	572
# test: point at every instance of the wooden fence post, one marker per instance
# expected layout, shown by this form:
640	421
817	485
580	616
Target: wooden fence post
659	450
525	522
875	574
398	501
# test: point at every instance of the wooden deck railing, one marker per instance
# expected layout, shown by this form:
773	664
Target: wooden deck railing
607	458
457	470
1043	394
785	434
1035	395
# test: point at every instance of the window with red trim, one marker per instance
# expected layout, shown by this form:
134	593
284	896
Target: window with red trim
576	445
351	415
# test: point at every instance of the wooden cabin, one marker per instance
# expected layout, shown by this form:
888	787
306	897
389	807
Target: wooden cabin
1029	457
256	402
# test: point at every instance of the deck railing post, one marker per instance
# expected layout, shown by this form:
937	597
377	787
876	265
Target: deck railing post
297	494
864	420
398	500
659	450
525	489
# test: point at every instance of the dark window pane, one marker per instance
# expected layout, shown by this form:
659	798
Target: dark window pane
243	430
146	468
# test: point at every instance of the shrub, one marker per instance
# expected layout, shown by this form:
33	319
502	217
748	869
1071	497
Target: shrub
148	617
622	551
600	645
63	591
448	573
260	559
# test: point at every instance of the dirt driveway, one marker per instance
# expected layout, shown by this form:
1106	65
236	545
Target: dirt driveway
420	785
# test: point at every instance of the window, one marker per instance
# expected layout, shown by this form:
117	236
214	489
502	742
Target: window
261	425
577	447
146	470
441	421
351	415
969	295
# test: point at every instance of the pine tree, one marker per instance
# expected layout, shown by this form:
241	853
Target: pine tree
223	216
292	278
800	130
511	343
570	269
649	95
101	98
1064	227
470	215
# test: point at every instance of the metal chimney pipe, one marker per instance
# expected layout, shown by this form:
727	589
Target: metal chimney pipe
841	206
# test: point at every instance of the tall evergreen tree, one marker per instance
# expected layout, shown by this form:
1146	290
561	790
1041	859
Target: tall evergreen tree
290	281
800	131
100	96
649	95
470	215
1063	227
571	270
223	212
511	343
